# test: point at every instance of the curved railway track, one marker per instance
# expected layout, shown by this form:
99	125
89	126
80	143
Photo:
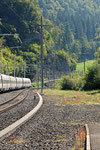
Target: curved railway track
7	131
11	98
13	102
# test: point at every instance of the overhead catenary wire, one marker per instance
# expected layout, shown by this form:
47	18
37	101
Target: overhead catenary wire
18	16
13	11
10	34
5	27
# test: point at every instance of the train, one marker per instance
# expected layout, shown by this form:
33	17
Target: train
8	83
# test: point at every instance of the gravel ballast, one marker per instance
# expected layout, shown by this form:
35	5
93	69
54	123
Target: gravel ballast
19	111
53	127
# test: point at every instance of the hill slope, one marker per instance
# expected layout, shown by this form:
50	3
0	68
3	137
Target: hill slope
79	23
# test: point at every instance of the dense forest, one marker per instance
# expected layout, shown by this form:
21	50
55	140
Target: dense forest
74	31
78	22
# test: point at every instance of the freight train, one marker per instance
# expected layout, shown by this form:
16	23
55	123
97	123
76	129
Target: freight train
10	83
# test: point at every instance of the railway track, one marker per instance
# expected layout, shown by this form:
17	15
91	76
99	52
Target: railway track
31	107
13	102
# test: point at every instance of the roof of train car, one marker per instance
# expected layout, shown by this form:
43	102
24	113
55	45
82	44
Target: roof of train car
20	79
13	78
5	76
26	79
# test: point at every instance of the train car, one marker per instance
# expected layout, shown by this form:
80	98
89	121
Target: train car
26	82
19	83
13	82
0	82
5	82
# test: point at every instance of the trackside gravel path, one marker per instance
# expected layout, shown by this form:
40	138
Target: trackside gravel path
52	128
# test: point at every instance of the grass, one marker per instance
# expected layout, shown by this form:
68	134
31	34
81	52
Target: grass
79	149
68	97
80	66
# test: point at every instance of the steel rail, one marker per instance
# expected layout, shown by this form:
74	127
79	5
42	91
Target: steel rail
12	128
11	99
15	104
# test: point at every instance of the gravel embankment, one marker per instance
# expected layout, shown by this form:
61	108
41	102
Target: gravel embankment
19	111
52	128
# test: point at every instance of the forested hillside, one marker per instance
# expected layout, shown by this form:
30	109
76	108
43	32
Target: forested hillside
23	17
16	17
74	32
78	22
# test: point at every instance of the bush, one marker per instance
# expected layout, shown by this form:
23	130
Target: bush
92	78
90	81
66	83
70	82
78	83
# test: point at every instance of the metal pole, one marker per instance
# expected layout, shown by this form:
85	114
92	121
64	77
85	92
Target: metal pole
41	55
24	70
54	74
37	76
0	62
49	77
14	66
7	69
84	64
84	58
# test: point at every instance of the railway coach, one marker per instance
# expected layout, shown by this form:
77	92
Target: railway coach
26	82
10	83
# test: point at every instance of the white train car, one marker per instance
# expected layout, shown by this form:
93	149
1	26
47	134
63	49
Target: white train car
26	82
0	82
5	82
19	83
11	83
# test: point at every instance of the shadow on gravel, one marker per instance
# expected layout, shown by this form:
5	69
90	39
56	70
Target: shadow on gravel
10	91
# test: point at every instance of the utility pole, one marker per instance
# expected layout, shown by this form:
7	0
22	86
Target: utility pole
6	34
42	81
0	62
42	78
84	57
1	42
7	69
37	70
24	69
84	63
14	67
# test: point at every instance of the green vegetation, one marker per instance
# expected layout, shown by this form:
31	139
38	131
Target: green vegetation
92	76
70	82
74	32
23	18
80	66
89	81
17	16
78	24
8	59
